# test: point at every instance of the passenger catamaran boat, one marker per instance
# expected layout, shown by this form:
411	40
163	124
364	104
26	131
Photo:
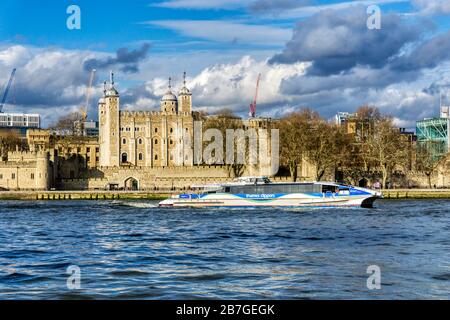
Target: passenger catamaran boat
261	192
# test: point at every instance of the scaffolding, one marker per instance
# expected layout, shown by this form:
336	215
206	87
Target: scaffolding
433	134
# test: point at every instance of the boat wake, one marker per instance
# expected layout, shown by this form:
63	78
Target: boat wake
142	205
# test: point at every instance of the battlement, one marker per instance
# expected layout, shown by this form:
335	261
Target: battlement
27	156
132	114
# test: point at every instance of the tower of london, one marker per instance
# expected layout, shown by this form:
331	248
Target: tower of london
146	138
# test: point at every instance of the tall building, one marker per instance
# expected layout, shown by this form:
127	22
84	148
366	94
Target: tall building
146	138
20	120
434	133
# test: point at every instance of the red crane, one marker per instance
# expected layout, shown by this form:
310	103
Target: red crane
253	104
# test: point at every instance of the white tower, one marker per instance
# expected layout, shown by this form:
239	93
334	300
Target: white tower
109	125
185	97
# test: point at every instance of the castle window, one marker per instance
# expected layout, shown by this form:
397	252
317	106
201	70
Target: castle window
156	141
97	150
187	129
171	141
124	157
156	130
140	141
1	176
124	141
32	176
171	130
13	176
140	157
88	149
156	157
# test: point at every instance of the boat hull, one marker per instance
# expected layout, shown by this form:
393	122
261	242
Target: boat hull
292	200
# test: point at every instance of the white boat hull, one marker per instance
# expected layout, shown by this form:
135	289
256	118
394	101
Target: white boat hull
289	200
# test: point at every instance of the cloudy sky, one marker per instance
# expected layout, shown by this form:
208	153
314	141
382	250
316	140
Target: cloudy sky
311	53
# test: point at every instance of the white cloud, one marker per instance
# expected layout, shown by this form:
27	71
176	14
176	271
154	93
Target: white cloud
307	11
52	83
433	7
225	31
233	85
48	81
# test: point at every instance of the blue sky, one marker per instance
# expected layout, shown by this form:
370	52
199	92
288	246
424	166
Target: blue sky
223	45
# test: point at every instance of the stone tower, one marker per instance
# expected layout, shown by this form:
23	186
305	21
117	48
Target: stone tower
185	98
109	126
169	102
42	174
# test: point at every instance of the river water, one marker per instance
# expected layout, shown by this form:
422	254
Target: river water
134	250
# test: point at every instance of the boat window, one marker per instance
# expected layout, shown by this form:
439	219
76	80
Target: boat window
328	188
277	188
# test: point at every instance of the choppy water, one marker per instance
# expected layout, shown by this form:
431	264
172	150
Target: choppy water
134	250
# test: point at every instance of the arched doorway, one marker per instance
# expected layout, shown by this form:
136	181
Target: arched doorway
131	184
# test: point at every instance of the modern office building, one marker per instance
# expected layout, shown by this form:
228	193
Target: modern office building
20	120
433	132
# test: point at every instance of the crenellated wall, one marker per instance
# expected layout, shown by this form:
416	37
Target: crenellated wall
26	170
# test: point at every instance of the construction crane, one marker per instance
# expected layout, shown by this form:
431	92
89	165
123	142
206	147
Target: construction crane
84	110
8	86
252	113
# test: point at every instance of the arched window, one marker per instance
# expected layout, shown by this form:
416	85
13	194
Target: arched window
171	130
124	157
124	141
140	141
156	130
156	157
156	141
141	157
171	141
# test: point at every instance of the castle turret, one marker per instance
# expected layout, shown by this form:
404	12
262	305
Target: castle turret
109	123
42	174
169	102
185	97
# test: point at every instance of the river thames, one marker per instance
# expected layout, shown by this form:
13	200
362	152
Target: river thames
135	250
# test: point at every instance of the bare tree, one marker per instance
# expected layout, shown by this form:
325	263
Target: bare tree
67	125
386	148
10	142
426	160
325	146
294	134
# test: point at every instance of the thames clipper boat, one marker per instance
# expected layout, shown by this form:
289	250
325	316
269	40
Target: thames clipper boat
261	192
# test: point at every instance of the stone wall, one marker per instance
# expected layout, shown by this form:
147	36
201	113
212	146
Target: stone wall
26	171
146	178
